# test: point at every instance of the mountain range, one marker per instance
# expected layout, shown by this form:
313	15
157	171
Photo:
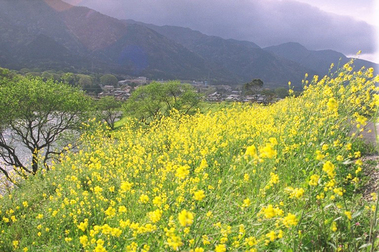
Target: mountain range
51	34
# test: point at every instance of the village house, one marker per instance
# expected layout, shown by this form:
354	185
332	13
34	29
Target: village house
214	97
137	81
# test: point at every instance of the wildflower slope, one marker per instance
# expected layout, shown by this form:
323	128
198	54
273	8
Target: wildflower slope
243	178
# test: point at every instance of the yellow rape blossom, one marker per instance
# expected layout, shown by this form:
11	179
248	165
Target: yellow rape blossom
155	216
15	244
182	172
246	203
332	104
197	249
373	196
205	240
173	240
185	218
110	212
220	248
125	186
246	177
274	178
122	209
251	151
250	241
83	240
348	215
295	192
290	220
271	235
144	198
270	212
83	225
329	168
267	151
314	180
199	195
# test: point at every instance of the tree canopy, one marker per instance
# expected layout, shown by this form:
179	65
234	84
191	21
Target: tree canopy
158	99
252	87
108	79
34	116
281	92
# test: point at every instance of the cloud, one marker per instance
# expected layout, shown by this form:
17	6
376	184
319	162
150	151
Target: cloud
265	22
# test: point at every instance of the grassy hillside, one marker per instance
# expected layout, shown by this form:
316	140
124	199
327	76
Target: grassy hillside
245	178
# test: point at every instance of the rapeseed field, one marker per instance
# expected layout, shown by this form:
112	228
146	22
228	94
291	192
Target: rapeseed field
245	177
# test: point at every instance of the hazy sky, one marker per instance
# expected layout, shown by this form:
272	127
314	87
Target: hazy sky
342	25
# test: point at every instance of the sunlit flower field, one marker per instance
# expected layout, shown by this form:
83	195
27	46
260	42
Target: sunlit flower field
244	177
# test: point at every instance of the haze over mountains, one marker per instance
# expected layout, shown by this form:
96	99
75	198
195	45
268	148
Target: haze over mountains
51	34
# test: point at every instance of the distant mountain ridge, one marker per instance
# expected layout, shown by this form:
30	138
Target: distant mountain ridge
51	34
302	59
318	61
245	60
91	41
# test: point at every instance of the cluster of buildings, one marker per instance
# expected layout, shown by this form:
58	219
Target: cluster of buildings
236	96
124	88
214	93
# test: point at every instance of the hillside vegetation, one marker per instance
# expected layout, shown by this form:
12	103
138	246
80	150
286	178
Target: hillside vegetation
282	177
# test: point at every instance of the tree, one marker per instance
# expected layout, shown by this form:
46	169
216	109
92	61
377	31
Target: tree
157	99
252	87
35	114
88	84
281	92
109	110
269	93
70	78
47	75
108	79
94	89
85	80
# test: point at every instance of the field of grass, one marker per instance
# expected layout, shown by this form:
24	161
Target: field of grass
284	177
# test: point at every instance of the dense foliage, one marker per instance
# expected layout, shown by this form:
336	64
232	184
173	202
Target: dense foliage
108	79
156	100
246	178
252	87
35	114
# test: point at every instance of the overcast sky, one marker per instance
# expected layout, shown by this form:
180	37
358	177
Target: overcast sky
346	26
